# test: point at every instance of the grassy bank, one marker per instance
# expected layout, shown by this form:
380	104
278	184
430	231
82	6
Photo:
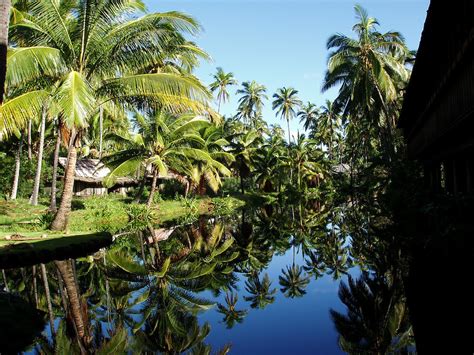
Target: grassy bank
102	214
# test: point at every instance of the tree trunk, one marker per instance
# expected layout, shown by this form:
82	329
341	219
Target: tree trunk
202	186
241	183
44	275
29	140
52	204
5	6
289	154
16	177
36	185
153	188
35	286
101	130
5	280
140	190
61	219
74	305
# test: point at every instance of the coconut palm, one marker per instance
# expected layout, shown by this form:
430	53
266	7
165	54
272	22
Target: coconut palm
210	140
99	64
251	101
260	290
293	282
329	122
377	319
243	149
308	115
222	80
286	103
370	72
231	314
162	144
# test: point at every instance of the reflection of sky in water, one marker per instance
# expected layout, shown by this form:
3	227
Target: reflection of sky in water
288	326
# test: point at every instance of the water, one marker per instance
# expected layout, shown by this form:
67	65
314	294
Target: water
202	290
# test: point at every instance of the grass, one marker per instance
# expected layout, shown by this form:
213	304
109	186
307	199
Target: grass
97	214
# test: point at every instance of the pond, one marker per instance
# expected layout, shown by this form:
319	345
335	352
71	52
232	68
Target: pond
264	281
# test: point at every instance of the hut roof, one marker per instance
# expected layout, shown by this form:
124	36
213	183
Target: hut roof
93	170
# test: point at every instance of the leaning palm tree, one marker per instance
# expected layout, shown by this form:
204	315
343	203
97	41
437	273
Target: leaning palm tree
107	55
251	101
293	282
221	81
286	104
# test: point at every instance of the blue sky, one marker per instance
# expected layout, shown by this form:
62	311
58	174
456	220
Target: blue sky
283	43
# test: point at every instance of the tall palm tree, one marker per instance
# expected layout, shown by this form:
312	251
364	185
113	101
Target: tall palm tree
243	149
100	64
329	122
286	102
370	72
308	115
222	80
251	102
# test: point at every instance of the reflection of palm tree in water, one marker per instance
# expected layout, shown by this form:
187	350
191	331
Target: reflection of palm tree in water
261	294
231	314
377	319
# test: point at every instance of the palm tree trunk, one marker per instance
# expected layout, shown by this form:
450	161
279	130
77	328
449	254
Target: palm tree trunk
153	188
52	204
101	130
62	215
29	140
65	270
289	143
44	275
5	280
35	286
16	177
140	190
5	6
241	183
36	185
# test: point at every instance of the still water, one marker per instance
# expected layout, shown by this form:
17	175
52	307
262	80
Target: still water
259	282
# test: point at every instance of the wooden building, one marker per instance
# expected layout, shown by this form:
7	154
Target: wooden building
438	112
89	177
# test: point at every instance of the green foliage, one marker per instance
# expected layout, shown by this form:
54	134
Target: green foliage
140	217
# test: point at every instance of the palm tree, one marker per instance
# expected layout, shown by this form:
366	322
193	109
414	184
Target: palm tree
293	282
377	317
221	81
329	122
210	140
308	115
100	64
251	102
162	144
371	72
230	312
243	148
286	103
261	294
